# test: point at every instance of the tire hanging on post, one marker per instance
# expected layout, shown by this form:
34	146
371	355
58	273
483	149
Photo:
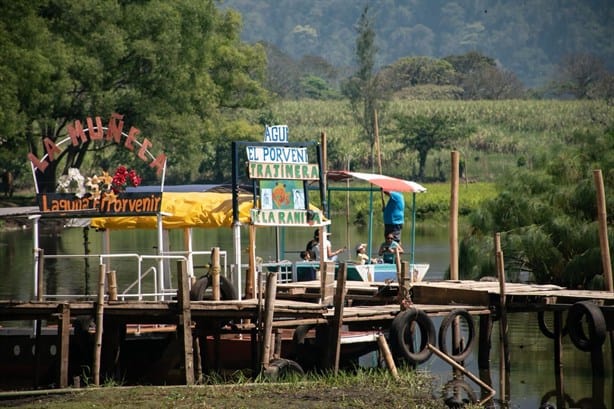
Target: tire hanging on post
469	343
402	336
227	291
595	322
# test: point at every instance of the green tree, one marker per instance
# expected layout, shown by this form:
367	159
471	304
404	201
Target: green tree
423	133
177	71
362	88
578	74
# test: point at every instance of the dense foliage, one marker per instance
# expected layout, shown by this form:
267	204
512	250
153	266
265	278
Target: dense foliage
547	216
176	71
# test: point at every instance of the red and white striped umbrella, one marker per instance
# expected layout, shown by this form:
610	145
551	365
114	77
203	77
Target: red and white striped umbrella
387	183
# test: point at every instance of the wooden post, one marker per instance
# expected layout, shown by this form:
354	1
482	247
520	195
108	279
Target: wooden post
454	218
558	350
250	280
40	290
602	218
277	343
215	273
64	343
385	351
198	357
485	341
185	320
269	309
99	324
335	334
112	280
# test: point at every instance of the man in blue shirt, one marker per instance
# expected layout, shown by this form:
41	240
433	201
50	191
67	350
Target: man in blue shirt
394	215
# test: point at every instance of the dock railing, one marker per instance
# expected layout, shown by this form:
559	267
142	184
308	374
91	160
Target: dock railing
140	277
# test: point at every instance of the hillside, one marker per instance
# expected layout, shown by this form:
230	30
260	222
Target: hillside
527	37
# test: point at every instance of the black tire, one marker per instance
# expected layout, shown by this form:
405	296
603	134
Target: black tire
227	291
469	343
454	389
545	400
595	322
544	328
282	368
300	333
401	335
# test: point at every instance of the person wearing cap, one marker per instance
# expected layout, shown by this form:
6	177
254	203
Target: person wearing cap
394	215
314	248
361	255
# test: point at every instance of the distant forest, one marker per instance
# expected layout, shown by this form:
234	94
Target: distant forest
529	38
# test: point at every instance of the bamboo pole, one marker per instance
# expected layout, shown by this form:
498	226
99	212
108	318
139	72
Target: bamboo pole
99	324
385	351
379	151
112	280
471	376
454	217
602	218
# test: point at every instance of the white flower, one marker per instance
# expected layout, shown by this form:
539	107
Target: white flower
73	182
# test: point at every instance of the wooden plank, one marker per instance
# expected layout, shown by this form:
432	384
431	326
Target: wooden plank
424	294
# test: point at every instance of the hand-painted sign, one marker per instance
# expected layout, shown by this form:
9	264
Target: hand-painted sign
277	154
276	133
282	194
263	170
108	204
96	132
305	218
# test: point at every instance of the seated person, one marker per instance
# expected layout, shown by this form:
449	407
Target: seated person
306	273
361	255
389	248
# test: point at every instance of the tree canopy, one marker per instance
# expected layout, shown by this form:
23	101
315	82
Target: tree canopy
176	71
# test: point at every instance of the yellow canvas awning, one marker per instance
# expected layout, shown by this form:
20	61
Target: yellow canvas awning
185	209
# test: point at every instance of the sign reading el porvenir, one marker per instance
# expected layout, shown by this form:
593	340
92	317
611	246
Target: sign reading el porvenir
121	204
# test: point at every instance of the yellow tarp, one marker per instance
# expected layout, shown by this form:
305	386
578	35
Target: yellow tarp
186	209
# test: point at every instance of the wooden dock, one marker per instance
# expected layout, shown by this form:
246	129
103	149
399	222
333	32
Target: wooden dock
366	307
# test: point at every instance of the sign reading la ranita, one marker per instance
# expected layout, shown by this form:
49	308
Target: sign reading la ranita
102	193
282	172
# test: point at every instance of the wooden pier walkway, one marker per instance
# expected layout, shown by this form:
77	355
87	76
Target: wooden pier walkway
368	306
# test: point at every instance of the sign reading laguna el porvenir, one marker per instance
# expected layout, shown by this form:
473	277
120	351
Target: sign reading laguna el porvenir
282	172
112	201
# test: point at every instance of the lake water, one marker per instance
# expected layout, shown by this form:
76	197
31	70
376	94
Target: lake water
531	378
